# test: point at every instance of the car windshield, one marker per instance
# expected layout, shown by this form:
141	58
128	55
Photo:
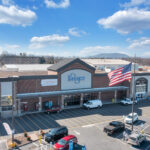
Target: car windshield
114	123
62	142
52	132
129	116
89	103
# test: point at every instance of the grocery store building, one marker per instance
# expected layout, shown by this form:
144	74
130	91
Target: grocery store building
67	84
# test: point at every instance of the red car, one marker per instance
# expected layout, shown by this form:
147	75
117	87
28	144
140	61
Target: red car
53	109
63	143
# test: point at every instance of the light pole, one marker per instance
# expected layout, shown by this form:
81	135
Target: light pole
133	92
13	106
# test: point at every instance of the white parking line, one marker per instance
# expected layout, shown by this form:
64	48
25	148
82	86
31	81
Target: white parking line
89	125
35	144
76	132
146	127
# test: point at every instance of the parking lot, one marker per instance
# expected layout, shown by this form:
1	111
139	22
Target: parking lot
86	123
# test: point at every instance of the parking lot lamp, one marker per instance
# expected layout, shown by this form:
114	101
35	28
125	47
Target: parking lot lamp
133	92
14	79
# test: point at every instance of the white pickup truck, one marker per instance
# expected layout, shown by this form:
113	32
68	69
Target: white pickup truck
127	101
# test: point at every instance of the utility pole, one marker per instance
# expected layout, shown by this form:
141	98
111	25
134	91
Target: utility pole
133	90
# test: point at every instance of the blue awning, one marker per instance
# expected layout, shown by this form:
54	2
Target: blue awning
67	92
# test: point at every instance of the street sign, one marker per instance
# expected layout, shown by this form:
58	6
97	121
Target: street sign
7	128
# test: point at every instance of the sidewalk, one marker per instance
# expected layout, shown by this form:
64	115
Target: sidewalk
3	145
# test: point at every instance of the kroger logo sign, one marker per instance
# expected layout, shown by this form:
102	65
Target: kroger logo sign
76	79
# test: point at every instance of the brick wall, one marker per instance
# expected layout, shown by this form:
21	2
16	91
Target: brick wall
100	81
34	85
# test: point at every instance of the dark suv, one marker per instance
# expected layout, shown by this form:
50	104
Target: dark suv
55	134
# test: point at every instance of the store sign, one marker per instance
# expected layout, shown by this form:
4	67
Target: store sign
75	79
49	82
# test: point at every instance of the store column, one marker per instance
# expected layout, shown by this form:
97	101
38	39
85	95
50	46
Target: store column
99	95
128	93
115	96
62	101
81	100
19	107
0	100
40	103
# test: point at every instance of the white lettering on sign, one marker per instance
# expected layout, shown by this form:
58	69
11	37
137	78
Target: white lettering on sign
75	79
49	82
7	128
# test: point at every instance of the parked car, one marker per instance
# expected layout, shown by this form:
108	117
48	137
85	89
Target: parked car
93	104
136	139
127	101
113	127
63	144
128	119
53	109
55	134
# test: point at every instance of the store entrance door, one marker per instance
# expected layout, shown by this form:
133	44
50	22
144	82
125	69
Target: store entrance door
72	100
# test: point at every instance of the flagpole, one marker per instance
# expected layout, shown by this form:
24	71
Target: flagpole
133	90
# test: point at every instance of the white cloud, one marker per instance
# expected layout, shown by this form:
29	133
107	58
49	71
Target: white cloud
127	21
94	50
7	2
142	44
16	16
61	4
76	32
43	41
146	54
134	3
1	49
12	46
9	48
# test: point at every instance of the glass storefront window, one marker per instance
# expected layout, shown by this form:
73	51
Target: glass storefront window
141	85
6	103
90	96
72	100
6	96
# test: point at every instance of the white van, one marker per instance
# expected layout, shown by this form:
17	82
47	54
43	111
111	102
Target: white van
93	104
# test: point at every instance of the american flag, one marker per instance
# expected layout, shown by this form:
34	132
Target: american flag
119	75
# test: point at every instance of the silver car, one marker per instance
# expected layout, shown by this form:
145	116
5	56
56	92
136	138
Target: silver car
136	139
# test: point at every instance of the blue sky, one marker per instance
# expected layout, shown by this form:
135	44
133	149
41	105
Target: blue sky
75	27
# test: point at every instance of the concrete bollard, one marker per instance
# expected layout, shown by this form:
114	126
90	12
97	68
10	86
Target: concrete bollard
71	145
83	148
51	146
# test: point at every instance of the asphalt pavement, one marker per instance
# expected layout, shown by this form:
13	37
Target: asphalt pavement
87	125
